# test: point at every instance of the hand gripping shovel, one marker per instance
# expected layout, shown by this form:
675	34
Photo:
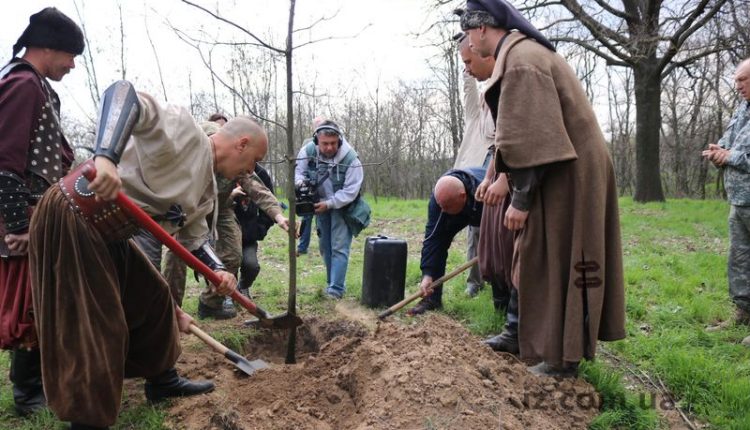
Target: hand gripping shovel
435	283
284	321
242	363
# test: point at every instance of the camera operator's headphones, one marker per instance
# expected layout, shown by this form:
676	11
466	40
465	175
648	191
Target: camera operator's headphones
327	126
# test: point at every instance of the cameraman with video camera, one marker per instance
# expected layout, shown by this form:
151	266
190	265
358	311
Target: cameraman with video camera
328	178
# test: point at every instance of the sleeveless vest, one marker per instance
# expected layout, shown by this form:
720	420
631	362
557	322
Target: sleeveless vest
337	173
44	162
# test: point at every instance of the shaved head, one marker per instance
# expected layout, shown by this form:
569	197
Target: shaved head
240	126
238	145
477	66
742	79
450	194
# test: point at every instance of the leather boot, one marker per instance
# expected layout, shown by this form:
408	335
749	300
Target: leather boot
567	370
26	376
76	426
169	384
507	341
225	312
423	306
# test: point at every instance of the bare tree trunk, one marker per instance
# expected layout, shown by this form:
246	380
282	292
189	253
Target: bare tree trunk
292	303
647	83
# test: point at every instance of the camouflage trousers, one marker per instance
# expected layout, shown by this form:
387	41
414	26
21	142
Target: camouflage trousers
228	248
738	270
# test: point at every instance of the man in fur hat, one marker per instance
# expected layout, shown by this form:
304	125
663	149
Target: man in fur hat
567	264
33	155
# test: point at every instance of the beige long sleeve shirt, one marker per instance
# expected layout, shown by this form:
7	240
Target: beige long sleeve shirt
479	128
168	161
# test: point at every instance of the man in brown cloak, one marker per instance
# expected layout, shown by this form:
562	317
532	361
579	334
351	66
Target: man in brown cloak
567	263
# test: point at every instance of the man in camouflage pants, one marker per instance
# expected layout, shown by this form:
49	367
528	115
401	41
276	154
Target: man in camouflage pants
732	153
228	245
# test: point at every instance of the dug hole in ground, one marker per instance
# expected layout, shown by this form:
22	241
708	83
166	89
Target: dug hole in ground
353	372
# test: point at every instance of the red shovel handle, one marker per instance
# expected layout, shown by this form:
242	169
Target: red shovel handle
145	221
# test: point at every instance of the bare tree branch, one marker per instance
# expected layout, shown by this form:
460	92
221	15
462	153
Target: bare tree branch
690	26
318	21
237	26
601	32
616	12
333	38
591	48
122	42
692	59
186	38
88	60
156	57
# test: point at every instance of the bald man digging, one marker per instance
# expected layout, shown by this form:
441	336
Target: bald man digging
452	207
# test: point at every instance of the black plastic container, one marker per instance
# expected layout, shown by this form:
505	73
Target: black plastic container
384	271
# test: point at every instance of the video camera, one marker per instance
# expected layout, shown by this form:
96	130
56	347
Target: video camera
307	195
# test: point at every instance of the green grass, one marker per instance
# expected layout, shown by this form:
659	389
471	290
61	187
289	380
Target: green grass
676	285
675	273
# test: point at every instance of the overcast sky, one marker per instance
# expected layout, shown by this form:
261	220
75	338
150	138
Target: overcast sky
385	48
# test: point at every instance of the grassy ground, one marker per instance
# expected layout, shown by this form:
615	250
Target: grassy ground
675	268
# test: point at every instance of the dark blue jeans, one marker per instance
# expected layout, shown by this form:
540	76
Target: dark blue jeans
335	243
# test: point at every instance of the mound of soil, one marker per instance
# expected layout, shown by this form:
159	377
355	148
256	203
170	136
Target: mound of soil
429	374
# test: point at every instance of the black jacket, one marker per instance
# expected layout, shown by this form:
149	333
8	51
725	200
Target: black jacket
253	221
441	228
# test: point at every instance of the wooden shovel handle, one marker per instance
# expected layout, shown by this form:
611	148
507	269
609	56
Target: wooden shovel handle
434	284
205	337
145	221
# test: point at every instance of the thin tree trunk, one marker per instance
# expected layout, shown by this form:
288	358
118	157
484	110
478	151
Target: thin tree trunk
292	303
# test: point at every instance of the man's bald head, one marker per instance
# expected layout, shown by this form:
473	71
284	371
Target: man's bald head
239	144
479	67
450	194
742	79
241	126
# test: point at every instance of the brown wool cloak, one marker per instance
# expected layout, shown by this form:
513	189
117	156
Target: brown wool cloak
495	247
543	118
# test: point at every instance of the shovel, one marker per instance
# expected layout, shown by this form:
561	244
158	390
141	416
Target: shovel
242	363
284	321
435	283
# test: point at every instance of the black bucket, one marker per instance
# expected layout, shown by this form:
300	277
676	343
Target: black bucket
384	272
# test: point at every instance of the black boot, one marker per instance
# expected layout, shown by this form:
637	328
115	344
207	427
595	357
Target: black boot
423	306
26	376
169	384
225	312
500	294
507	341
76	426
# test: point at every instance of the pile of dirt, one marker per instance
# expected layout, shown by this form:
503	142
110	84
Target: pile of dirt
430	374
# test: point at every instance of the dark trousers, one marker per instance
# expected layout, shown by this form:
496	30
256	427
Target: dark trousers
250	267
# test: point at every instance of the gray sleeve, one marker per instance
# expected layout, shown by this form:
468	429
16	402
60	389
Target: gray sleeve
301	165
